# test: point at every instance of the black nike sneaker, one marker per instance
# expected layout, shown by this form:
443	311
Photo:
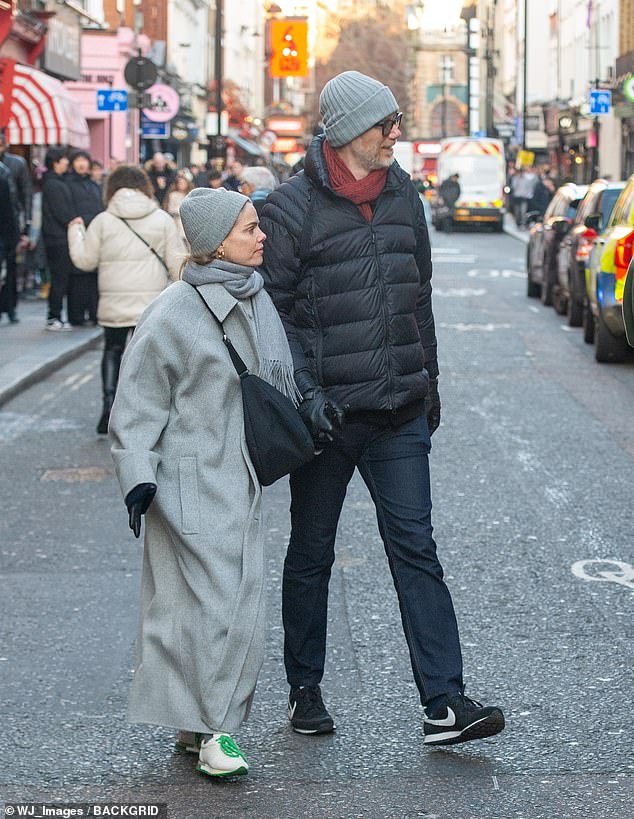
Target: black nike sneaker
307	712
460	719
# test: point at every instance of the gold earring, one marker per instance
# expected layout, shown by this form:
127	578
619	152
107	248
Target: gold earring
220	253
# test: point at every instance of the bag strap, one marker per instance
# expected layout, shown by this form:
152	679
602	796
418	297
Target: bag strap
146	243
238	363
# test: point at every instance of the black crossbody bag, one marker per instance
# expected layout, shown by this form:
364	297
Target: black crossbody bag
277	439
147	244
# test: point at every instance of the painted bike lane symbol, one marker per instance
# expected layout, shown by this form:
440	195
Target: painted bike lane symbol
605	571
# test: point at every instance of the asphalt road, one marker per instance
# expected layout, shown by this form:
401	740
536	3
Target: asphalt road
532	474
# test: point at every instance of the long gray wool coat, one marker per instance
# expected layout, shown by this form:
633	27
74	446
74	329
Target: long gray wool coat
177	421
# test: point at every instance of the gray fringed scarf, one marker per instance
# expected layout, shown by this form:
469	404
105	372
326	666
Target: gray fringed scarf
276	363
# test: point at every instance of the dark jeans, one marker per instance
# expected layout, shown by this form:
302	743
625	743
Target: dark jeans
82	298
61	268
394	465
9	291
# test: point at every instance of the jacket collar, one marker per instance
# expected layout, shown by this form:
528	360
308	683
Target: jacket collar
316	170
218	298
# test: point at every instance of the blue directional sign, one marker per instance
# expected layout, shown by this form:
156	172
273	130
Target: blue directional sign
600	101
154	130
113	100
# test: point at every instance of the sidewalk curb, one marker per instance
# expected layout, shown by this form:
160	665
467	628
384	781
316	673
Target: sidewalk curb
40	371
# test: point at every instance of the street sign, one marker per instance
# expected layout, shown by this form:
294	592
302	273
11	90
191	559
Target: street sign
600	101
153	130
164	103
113	100
140	73
628	88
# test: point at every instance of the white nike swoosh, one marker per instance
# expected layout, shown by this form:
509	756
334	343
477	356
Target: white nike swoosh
448	721
291	709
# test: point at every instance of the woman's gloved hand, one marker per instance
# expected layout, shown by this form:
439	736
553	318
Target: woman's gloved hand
432	406
321	415
138	501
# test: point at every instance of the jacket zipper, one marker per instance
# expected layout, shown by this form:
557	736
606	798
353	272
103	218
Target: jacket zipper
318	344
385	319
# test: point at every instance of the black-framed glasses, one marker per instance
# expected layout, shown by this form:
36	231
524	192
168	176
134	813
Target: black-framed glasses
386	125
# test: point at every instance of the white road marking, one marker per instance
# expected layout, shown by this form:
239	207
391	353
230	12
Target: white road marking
83	380
484	328
459	292
449	250
456	260
494	273
614	571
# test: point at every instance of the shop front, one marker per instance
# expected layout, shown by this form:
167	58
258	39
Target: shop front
103	59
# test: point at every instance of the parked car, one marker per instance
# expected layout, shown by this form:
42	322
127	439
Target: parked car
545	238
628	304
606	269
591	218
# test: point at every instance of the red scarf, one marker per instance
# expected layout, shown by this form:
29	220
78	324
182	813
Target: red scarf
360	191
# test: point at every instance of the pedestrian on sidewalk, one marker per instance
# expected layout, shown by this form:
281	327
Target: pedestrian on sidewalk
9	232
178	190
177	434
449	192
57	212
87	203
522	188
348	265
21	198
136	248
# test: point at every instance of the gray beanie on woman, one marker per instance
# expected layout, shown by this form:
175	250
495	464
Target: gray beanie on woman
351	103
208	215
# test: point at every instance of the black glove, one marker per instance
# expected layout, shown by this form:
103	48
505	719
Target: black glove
138	501
432	406
321	415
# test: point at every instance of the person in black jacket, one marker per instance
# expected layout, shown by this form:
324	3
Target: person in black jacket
57	212
87	203
9	232
348	265
449	192
22	200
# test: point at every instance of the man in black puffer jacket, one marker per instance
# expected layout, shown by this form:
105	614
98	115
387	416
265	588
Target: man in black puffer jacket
347	262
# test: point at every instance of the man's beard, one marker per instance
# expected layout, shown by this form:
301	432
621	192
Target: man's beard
372	161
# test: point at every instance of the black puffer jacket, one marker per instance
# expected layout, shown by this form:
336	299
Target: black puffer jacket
354	297
57	208
86	196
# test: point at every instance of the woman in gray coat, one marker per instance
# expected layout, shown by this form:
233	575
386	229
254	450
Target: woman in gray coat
179	448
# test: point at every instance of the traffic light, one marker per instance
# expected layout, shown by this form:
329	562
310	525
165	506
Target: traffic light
288	48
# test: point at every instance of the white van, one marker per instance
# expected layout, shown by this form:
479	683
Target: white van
481	168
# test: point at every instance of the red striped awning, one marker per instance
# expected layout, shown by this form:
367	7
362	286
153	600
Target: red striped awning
37	109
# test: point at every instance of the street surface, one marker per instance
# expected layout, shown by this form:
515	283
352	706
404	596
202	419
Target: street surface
532	473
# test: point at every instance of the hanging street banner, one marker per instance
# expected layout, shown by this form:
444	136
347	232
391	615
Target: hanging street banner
288	47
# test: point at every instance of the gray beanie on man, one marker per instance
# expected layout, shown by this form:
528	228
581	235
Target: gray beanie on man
352	103
208	215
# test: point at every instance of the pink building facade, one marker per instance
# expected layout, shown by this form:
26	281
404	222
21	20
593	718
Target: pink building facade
103	59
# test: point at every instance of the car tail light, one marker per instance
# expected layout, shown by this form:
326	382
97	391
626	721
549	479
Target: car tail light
623	255
585	244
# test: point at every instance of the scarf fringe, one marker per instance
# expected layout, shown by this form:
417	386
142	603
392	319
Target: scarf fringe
280	376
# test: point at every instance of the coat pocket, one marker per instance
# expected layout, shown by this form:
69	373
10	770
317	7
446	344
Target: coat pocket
188	486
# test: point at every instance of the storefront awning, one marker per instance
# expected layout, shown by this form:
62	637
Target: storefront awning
249	147
37	109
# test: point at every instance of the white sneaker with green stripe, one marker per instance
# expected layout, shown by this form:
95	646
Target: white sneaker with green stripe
220	756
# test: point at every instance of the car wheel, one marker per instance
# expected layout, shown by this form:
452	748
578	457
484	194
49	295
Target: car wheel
610	349
532	288
546	293
560	302
587	324
574	312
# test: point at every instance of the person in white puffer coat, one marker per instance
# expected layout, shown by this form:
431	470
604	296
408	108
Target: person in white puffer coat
136	246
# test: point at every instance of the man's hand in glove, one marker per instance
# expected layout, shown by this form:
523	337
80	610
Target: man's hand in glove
432	406
138	501
321	415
